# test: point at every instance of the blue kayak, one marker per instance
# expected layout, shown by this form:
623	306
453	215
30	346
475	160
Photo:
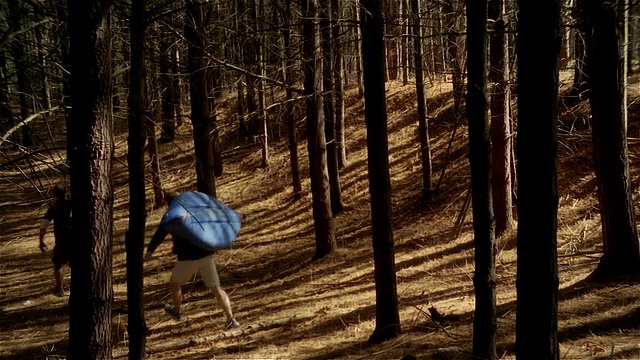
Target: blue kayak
202	220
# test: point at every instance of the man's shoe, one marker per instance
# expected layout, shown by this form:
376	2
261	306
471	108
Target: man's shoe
171	310
233	323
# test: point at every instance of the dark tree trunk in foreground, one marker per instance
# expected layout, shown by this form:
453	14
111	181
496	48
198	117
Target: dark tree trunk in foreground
134	239
500	126
423	125
538	49
91	184
373	58
316	144
611	156
200	111
484	278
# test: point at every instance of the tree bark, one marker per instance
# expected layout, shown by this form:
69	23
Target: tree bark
134	239
338	83
538	47
329	113
91	294
316	143
423	124
168	127
451	8
500	126
373	58
21	70
621	249
289	111
200	112
484	279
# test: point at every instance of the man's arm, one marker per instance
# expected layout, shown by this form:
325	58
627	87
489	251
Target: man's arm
43	230
156	240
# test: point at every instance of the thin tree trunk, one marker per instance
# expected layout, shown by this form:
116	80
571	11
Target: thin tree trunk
484	279
358	51
200	112
338	83
423	124
177	91
500	127
580	79
454	53
316	143
404	47
168	132
329	114
45	93
21	71
65	59
258	14
373	57
287	74
213	84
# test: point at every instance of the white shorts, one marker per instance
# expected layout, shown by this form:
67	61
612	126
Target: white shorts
184	270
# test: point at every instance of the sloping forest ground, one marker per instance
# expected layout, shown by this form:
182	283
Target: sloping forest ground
292	308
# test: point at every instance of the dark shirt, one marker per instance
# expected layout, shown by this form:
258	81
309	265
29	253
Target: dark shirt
60	214
183	249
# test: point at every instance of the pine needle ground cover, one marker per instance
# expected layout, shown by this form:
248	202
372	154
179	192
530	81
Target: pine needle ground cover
292	308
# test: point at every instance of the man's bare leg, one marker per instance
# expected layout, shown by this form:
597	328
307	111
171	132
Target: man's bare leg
176	297
57	274
223	300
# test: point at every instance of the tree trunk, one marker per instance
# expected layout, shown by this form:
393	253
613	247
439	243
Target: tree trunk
154	159
316	143
65	59
213	84
91	294
200	112
500	126
168	133
484	279
338	83
45	94
538	47
289	111
403	56
451	8
21	70
329	102
580	79
423	124
621	249
134	239
358	50
373	57
177	91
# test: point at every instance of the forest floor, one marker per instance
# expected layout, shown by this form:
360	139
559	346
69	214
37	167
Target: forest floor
293	308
